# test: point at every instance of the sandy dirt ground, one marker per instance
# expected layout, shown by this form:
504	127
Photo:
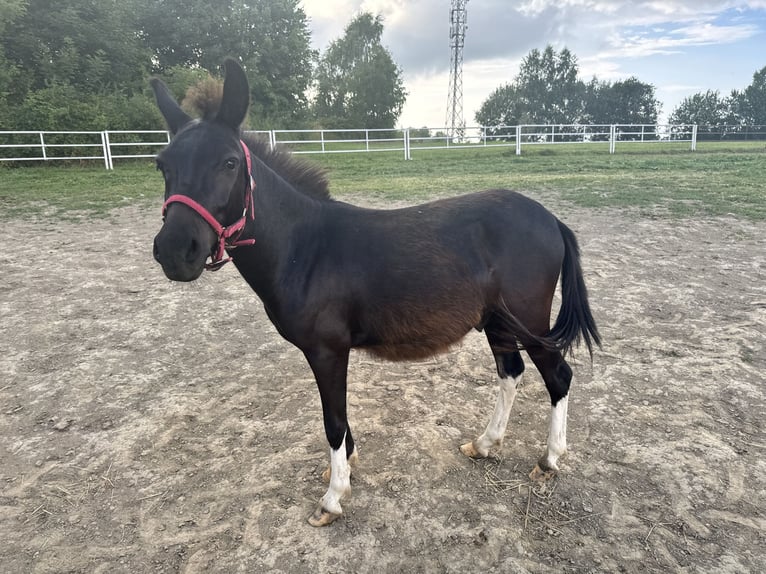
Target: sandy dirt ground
148	426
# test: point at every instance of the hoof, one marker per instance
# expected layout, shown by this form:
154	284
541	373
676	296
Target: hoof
469	449
540	475
322	517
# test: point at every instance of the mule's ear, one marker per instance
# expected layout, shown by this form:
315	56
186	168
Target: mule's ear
236	95
175	117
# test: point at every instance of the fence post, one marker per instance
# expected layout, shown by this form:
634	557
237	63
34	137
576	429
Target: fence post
406	138
518	140
321	135
612	138
694	137
272	139
105	146
42	146
367	140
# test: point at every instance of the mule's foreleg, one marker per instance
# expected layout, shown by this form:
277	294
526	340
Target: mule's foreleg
330	372
353	458
329	508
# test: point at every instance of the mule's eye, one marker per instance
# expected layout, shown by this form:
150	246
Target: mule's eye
231	163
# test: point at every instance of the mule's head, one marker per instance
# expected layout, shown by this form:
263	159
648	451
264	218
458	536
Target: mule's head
205	162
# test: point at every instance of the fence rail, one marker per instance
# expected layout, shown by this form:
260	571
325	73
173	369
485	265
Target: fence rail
108	146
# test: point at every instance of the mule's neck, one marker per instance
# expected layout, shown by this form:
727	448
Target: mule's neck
279	210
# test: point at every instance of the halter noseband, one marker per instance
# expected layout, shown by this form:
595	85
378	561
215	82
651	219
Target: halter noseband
228	237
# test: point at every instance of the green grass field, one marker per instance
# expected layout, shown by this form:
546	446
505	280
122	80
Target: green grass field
663	180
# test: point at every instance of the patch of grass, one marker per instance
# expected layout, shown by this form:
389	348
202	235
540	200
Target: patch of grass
665	179
692	184
661	180
72	192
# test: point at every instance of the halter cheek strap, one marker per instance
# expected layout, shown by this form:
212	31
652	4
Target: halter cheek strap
228	237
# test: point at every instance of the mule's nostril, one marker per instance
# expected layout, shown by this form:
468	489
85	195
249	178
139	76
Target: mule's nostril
193	252
156	251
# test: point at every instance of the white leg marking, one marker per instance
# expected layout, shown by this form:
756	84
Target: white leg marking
340	480
557	435
495	431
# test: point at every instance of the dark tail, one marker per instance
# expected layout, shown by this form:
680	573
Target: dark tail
575	321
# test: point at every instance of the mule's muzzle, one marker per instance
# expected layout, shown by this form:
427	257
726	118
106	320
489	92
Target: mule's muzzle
182	259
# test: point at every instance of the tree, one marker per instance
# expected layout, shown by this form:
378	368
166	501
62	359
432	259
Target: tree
10	10
88	44
420	133
624	102
751	102
271	39
85	51
716	115
713	114
502	108
357	82
547	90
72	65
706	109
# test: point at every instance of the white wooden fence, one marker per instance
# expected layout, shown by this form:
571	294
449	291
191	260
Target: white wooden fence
108	146
105	146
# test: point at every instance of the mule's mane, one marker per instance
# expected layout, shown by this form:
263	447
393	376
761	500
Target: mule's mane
204	99
304	176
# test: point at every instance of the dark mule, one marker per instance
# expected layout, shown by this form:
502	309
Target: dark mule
400	284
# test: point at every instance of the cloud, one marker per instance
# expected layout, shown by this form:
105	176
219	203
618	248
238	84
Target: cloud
612	39
417	31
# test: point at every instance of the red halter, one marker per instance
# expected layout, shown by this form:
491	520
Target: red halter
228	237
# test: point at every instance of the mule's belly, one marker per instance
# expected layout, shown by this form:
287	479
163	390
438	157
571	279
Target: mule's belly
414	336
405	351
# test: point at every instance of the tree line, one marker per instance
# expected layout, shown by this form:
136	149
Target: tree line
84	65
718	115
548	90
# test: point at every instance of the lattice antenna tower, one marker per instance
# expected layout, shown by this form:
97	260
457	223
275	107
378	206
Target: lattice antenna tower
458	17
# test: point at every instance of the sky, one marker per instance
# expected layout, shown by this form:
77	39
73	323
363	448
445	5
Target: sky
681	47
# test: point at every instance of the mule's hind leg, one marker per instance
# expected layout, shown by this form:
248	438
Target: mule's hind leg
510	367
557	375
